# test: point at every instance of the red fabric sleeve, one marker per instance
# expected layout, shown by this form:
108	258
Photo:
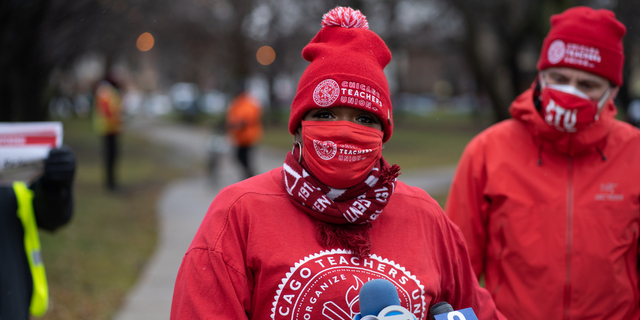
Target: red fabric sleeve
213	281
460	286
466	204
207	288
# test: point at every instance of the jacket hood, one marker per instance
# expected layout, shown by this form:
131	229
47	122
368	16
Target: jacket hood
590	139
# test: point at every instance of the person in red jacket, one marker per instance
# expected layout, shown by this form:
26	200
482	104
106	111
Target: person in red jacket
299	242
549	201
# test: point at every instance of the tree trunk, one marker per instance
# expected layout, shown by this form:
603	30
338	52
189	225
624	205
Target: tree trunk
24	75
627	12
486	77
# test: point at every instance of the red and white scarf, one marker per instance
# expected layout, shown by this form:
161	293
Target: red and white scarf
345	214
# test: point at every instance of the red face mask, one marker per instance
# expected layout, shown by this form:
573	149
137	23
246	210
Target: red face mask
340	153
568	109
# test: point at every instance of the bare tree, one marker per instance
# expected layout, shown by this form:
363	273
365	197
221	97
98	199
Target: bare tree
20	60
500	34
628	12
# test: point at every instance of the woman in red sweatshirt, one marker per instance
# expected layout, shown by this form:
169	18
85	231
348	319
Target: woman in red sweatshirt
299	242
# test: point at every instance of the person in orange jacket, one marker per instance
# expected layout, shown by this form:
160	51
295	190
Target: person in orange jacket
549	201
244	125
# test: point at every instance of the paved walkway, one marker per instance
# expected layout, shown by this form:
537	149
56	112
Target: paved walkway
184	203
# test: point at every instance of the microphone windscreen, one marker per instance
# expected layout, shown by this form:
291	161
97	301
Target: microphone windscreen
376	295
440	308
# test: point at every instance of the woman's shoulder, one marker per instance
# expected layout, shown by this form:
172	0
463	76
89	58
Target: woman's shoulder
415	200
238	204
413	205
249	195
269	182
410	191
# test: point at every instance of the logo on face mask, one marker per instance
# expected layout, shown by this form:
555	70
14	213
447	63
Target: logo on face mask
561	118
326	93
568	109
326	150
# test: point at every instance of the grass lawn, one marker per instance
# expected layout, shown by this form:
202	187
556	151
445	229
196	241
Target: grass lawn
93	261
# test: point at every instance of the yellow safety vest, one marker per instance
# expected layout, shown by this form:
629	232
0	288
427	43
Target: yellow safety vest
40	296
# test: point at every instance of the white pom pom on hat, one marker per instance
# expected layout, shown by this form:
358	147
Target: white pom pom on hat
345	17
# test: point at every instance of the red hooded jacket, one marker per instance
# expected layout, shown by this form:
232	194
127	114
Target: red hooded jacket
552	219
256	256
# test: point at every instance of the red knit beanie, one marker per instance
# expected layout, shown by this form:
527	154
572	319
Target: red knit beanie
346	66
585	39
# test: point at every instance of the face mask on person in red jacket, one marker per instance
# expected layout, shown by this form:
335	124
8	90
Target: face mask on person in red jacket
568	109
340	153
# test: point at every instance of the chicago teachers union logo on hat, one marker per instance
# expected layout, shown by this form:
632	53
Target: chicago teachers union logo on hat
326	150
326	93
556	51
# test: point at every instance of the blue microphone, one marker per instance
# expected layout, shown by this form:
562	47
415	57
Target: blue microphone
444	311
379	300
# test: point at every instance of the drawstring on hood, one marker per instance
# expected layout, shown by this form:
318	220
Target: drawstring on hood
540	155
601	154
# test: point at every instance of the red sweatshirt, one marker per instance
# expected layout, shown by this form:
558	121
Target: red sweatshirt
552	219
256	256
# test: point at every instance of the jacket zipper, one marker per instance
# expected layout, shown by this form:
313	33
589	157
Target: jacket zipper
630	272
567	288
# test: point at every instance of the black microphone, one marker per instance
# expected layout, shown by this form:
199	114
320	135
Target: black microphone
444	311
441	307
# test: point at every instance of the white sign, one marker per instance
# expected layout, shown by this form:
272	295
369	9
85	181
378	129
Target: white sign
24	146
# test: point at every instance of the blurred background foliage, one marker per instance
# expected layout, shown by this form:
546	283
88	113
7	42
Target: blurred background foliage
461	55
